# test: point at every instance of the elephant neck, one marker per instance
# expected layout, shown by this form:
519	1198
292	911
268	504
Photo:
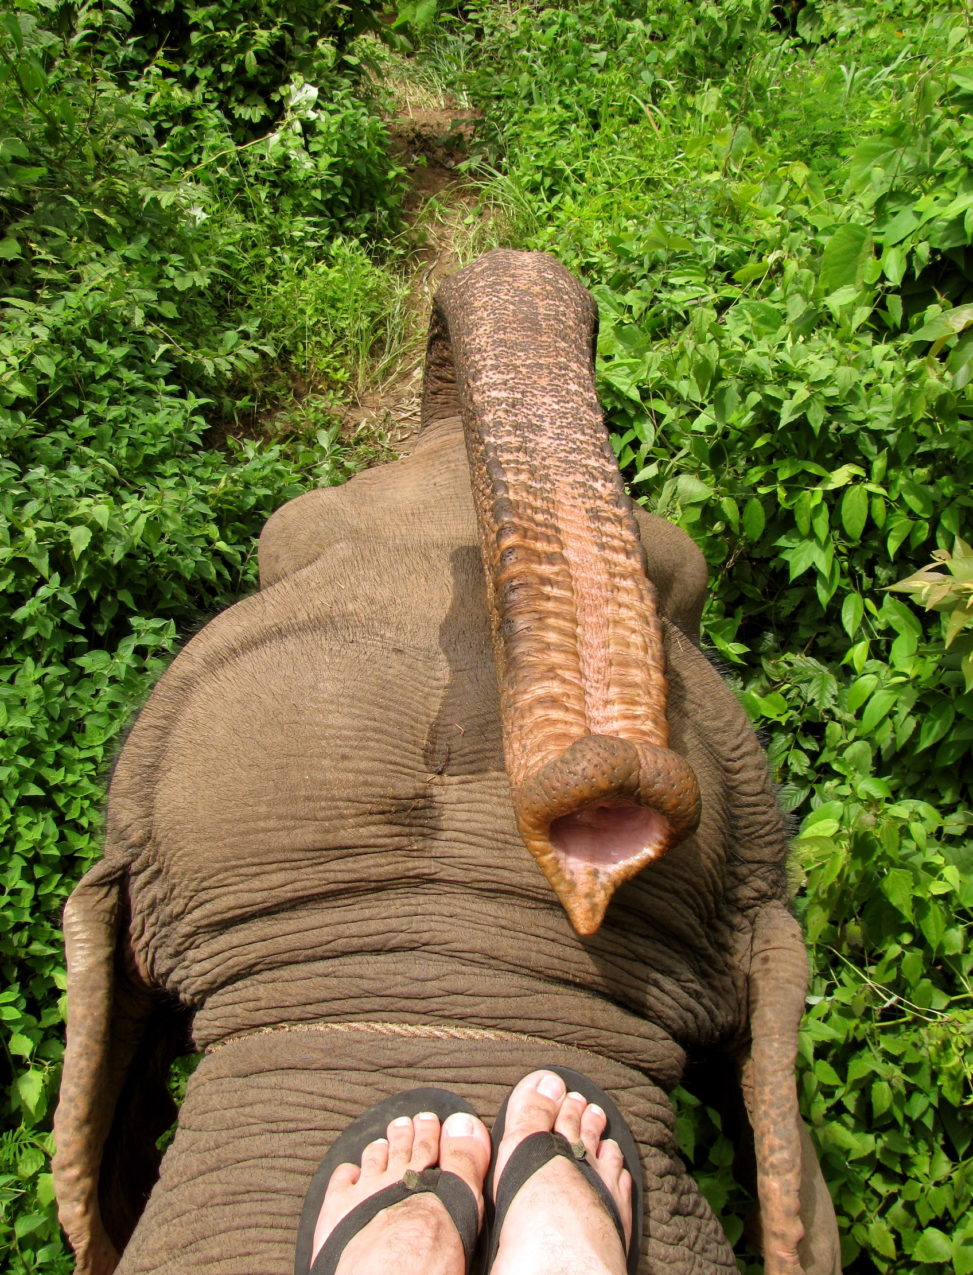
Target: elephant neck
314	996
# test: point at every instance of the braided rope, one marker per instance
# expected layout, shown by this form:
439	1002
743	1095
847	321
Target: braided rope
438	1031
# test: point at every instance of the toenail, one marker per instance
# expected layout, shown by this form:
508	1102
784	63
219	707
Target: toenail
401	1121
598	1111
426	1115
551	1086
459	1125
578	1097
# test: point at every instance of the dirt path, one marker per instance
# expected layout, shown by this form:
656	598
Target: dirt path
430	142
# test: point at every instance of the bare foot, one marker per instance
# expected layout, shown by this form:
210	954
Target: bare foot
557	1224
417	1235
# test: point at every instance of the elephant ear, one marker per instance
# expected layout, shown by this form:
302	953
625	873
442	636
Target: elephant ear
798	1229
114	1104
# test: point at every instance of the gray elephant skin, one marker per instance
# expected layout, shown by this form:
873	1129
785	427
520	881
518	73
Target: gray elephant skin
454	796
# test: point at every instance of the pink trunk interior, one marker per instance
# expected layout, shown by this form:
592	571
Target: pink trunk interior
603	835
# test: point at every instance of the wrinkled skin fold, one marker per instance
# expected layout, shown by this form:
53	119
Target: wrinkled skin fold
454	796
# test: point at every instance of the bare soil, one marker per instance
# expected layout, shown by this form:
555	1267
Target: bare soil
430	144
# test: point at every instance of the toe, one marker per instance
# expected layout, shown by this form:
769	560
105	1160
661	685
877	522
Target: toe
531	1108
610	1164
534	1103
610	1158
344	1176
568	1121
593	1122
375	1157
425	1145
464	1149
400	1139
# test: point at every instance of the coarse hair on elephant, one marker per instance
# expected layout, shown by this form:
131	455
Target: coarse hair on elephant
454	796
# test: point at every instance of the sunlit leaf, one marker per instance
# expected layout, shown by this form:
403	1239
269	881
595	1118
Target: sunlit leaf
844	257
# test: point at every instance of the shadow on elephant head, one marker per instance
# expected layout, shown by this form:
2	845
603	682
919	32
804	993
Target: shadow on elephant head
453	796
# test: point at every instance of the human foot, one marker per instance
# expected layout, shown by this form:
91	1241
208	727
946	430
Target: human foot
557	1222
416	1233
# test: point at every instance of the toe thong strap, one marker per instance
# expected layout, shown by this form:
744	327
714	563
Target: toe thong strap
532	1154
457	1198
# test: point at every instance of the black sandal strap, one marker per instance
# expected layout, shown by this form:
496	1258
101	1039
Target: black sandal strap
532	1154
460	1203
457	1199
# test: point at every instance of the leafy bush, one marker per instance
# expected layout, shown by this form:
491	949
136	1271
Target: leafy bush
950	594
140	207
778	231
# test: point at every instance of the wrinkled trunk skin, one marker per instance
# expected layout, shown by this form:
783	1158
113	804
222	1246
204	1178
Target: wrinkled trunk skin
313	853
597	792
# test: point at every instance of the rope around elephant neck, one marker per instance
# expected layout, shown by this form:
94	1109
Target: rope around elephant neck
434	1031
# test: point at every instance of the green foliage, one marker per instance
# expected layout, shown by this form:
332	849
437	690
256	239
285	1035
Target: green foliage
153	164
778	229
339	316
952	595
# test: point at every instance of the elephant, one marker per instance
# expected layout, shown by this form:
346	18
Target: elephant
455	795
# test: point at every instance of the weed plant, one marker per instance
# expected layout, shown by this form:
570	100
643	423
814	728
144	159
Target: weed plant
777	223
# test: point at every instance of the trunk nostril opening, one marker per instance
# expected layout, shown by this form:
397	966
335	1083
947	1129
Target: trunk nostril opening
602	835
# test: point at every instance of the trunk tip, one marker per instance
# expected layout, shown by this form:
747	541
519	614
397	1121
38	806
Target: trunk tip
599	813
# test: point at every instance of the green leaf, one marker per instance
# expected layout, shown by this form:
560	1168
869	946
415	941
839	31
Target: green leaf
893	266
881	1101
875	153
802	556
880	1237
691	490
852	611
897	886
933	925
937	724
933	1246
878	706
80	539
826	1074
844	258
960	362
944	325
900	528
854	511
860	690
896	228
842	476
754	519
30	1088
20	1045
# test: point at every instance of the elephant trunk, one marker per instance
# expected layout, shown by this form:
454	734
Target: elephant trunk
597	792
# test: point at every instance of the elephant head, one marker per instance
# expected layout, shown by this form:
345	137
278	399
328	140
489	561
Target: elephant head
315	867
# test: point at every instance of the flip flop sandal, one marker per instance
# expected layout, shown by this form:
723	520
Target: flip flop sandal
458	1200
538	1149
